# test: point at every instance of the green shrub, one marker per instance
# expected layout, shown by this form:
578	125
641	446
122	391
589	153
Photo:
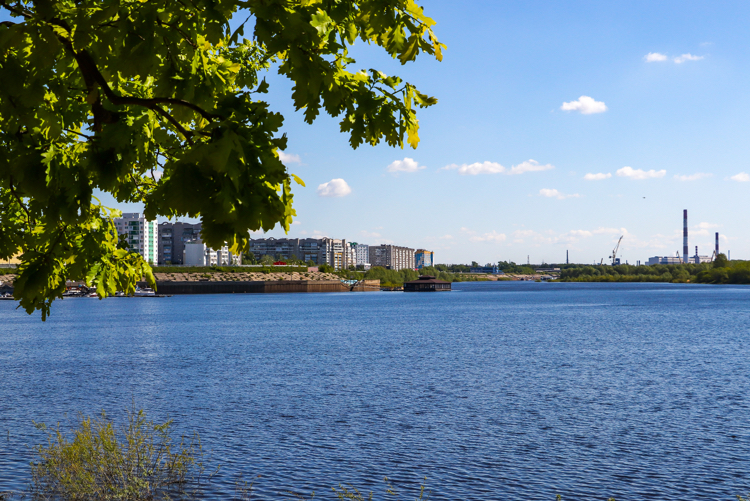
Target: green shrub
137	461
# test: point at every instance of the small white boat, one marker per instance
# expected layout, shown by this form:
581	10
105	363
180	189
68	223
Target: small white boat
145	292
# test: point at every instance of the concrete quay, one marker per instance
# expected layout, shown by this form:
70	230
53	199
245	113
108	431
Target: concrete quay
260	287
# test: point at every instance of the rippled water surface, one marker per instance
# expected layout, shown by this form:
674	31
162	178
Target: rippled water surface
493	391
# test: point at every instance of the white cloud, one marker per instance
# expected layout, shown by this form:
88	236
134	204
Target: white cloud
447	237
405	165
742	177
530	165
608	231
551	193
334	188
703	229
693	177
476	168
369	234
580	233
493	236
597	177
687	57
289	158
653	57
524	233
586	105
640	174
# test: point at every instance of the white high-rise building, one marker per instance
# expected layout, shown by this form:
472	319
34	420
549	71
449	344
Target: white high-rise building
199	254
142	235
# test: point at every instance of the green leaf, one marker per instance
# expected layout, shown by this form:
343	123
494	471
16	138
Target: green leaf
298	180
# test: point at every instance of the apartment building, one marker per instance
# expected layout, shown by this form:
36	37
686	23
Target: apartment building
392	257
199	254
142	235
324	250
361	254
172	240
423	258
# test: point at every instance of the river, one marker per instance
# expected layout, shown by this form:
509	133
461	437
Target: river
500	390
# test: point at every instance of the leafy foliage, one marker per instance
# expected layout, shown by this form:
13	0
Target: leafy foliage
724	271
511	267
136	462
391	278
675	273
158	103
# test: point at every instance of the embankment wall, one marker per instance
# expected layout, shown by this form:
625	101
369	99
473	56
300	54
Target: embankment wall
280	286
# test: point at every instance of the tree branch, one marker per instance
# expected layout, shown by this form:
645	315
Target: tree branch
78	133
188	135
178	30
92	76
15	10
18	199
137	186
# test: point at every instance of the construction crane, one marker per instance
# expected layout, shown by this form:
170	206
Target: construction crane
614	252
677	253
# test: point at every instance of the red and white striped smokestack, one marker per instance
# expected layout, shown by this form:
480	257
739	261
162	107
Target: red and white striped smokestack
717	243
684	237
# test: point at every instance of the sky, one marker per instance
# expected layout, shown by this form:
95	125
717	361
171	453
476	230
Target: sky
560	126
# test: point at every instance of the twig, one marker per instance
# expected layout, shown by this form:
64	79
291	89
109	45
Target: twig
80	134
18	199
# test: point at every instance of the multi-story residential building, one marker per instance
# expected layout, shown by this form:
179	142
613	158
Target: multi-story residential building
317	250
392	257
172	239
279	249
199	254
423	258
361	254
142	235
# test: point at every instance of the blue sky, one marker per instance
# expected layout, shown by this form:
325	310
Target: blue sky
500	173
508	70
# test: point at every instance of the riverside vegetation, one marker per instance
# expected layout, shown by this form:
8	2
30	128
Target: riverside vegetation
396	278
720	271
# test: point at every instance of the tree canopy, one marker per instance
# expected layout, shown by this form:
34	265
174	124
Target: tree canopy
160	102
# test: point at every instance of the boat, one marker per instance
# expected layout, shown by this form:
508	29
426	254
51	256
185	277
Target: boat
145	292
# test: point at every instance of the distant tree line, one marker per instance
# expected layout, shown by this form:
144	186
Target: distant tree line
395	278
720	271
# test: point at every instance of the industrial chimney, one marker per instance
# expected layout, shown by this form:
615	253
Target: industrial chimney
717	243
684	237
